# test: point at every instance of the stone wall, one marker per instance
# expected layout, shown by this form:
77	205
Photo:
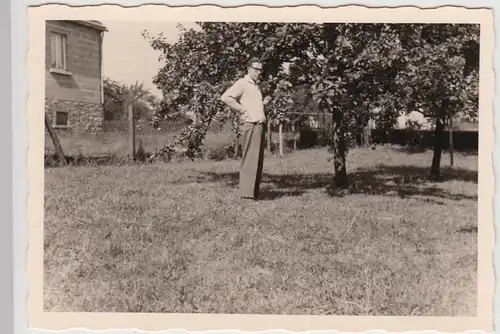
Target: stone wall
76	89
83	116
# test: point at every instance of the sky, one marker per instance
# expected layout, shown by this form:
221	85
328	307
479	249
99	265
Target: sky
127	55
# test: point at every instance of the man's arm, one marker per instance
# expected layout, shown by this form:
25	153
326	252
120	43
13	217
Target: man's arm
232	96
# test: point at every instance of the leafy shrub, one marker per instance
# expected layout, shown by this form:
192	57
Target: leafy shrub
220	153
308	138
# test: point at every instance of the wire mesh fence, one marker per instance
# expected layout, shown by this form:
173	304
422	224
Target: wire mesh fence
114	139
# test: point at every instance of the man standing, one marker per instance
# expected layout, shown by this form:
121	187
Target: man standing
245	97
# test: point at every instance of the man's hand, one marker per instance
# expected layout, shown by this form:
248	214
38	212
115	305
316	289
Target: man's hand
233	104
266	100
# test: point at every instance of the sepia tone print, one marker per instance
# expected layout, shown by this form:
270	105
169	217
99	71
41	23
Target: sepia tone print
262	168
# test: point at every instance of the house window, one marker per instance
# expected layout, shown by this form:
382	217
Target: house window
62	119
59	51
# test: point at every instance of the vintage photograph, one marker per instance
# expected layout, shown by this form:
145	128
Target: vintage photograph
261	168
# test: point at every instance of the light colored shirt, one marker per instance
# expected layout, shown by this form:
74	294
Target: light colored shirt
246	92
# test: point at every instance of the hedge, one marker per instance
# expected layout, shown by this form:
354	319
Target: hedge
462	140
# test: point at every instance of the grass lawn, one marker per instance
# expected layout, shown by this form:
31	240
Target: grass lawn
176	238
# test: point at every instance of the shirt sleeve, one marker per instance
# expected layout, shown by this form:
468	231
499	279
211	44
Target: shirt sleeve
235	91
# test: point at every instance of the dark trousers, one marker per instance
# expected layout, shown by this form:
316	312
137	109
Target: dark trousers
253	136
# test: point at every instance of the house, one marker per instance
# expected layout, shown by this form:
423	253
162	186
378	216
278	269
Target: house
73	74
459	124
415	117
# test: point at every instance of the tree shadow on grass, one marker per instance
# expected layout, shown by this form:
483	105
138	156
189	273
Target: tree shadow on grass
267	194
294	182
393	181
410	149
471	229
416	150
415	174
406	182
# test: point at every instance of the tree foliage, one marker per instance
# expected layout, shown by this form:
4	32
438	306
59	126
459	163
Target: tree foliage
441	76
203	63
118	95
346	70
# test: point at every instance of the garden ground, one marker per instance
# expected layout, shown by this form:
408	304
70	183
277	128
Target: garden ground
176	238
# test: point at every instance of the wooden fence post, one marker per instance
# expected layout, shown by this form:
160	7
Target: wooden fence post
281	138
294	137
269	136
451	149
131	131
55	140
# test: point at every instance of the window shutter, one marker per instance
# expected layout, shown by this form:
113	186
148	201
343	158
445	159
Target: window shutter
53	55
65	52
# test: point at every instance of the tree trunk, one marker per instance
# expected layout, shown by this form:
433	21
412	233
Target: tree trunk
435	173
269	136
236	147
360	138
366	135
131	131
55	140
281	139
339	149
451	142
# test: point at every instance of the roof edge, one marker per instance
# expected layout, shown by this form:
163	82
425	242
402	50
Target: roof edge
92	24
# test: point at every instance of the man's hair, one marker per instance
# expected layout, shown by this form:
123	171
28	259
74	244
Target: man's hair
252	61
